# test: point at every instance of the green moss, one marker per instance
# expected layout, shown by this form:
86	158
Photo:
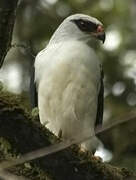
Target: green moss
5	146
35	112
21	132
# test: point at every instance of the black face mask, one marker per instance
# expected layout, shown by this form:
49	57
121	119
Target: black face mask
85	26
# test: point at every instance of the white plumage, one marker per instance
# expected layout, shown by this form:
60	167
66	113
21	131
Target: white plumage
67	74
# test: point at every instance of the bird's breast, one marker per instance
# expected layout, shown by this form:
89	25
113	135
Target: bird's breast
68	93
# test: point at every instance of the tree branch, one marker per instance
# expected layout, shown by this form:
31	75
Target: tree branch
20	133
7	19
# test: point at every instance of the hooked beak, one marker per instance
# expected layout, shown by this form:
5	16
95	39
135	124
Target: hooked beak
100	33
101	36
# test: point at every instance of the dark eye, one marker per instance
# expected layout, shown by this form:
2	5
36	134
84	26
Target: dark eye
82	25
85	25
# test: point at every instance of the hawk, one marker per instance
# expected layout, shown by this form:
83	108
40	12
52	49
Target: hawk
69	80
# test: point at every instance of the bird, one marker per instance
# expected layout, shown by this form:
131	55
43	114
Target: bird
69	80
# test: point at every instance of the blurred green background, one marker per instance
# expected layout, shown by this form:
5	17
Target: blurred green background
37	20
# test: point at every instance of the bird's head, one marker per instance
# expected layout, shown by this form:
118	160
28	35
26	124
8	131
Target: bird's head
79	27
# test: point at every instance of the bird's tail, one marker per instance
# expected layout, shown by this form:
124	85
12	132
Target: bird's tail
91	144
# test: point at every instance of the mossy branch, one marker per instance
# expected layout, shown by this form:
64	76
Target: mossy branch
20	132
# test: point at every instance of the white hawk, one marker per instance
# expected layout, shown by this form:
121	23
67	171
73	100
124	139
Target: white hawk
69	80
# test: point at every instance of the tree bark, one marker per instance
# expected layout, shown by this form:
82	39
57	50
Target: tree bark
20	132
7	19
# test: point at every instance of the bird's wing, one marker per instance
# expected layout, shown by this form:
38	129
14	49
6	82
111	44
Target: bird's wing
33	91
34	83
100	103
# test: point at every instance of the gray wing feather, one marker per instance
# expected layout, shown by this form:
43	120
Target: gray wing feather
33	91
100	104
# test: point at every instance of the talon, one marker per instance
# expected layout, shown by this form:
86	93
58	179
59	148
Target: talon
97	158
60	134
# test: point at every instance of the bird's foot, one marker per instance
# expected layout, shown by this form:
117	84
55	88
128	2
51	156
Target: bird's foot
97	158
60	134
89	156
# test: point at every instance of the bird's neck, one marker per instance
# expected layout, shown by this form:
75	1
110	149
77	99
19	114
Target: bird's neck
61	38
64	38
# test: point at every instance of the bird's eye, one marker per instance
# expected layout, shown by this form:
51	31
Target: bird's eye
82	25
85	25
